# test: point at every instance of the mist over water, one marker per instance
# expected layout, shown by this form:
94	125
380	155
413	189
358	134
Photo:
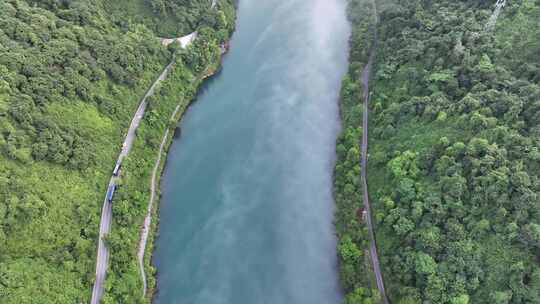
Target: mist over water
247	209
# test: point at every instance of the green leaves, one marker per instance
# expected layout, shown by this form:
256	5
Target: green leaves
404	165
362	296
424	264
454	142
71	75
348	251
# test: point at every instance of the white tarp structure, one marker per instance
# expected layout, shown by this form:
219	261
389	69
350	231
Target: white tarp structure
185	41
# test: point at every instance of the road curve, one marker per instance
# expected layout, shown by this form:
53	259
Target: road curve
366	74
106	211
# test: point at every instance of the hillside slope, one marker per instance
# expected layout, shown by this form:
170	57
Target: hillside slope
70	79
454	153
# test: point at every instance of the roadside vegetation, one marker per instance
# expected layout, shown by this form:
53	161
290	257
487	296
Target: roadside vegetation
71	77
356	271
166	18
180	88
454	154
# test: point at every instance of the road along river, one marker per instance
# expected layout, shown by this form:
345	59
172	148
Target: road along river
246	210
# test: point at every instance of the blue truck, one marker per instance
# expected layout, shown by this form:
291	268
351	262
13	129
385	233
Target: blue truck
110	192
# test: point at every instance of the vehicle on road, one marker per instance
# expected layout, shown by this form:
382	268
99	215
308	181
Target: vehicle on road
110	193
116	170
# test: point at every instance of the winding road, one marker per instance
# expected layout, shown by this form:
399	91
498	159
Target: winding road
366	74
106	211
102	261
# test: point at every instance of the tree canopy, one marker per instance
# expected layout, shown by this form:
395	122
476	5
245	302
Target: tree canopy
454	140
71	76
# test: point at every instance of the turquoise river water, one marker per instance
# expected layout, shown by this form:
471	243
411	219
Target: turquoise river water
246	211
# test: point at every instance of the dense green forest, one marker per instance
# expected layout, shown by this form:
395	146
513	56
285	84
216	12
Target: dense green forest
71	75
167	18
454	153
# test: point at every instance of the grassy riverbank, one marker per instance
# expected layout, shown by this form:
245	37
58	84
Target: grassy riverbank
453	166
179	89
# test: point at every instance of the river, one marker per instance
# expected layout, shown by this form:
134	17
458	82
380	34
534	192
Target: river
246	215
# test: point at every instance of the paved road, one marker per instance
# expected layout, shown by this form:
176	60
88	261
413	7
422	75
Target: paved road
106	211
367	205
366	73
495	15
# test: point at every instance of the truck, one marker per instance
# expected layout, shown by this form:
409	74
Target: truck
116	170
110	192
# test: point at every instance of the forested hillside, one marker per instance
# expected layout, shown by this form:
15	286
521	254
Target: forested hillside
71	77
167	18
454	153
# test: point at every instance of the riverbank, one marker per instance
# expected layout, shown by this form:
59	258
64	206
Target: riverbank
357	249
160	164
132	200
145	231
246	210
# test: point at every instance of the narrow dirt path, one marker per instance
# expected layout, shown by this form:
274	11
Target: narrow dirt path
148	219
185	41
366	75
